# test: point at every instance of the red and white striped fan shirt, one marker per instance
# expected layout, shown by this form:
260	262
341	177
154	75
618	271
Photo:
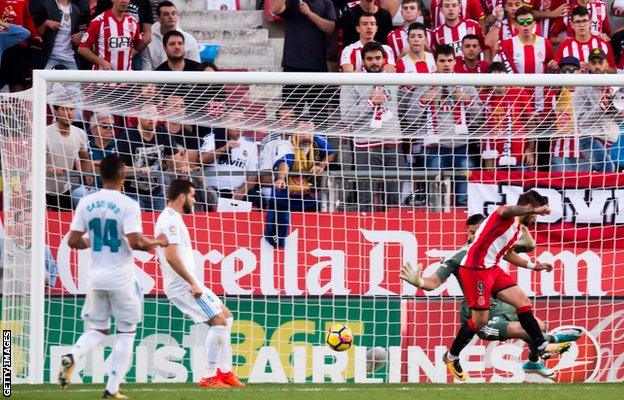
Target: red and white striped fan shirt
581	50
352	54
469	9
397	40
492	241
407	64
598	15
462	68
528	58
112	39
546	24
453	35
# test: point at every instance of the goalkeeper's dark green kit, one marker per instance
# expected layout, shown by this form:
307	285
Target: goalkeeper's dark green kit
501	313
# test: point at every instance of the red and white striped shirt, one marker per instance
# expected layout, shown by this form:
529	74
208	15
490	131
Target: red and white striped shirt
598	16
528	58
468	9
508	30
546	24
352	54
112	39
494	238
407	64
397	40
462	68
453	35
581	50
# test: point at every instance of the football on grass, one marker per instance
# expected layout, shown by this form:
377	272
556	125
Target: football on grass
339	337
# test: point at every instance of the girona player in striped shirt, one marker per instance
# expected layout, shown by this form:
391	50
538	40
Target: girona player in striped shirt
482	276
397	39
455	28
583	42
112	39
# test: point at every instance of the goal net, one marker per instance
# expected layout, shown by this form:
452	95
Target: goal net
313	191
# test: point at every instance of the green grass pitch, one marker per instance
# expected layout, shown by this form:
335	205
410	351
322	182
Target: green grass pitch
187	391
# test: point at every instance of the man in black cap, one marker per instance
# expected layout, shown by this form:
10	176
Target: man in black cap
569	65
598	62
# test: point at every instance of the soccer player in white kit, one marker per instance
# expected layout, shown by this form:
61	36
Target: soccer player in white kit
187	293
113	222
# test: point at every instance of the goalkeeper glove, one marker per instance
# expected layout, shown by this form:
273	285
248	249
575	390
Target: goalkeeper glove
412	274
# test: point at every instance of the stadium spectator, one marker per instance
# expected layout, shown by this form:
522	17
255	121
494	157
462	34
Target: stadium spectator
598	15
505	114
10	35
470	61
417	58
504	26
141	11
397	39
146	150
590	107
395	8
454	28
349	17
449	110
57	23
16	60
583	42
305	153
173	42
547	12
617	44
154	53
469	10
107	50
351	59
101	144
188	136
66	150
227	158
285	117
373	109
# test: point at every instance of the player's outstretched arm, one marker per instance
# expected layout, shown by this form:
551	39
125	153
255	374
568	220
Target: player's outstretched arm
519	211
412	275
515	259
139	241
77	240
173	258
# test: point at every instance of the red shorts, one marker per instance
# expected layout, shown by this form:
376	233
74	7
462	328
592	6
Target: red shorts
481	284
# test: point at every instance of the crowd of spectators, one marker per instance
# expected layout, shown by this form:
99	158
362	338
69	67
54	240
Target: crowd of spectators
367	36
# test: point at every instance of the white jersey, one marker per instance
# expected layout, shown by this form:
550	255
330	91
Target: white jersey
243	158
268	150
108	216
170	223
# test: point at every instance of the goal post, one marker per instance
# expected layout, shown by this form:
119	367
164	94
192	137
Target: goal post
338	263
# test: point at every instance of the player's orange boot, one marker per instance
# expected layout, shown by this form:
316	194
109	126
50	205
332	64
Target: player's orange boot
230	378
454	367
213	382
66	370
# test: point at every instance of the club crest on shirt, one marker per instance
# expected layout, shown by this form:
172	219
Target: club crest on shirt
172	229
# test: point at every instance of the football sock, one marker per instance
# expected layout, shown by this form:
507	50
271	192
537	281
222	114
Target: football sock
464	336
531	327
86	342
213	346
225	360
121	358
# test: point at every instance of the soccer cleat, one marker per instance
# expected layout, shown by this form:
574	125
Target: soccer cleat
454	367
555	349
67	369
538	368
215	382
116	395
567	335
229	378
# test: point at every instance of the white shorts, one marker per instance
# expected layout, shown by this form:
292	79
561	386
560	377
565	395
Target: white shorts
124	304
199	310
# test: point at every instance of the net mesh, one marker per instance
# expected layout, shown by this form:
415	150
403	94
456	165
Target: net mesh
377	176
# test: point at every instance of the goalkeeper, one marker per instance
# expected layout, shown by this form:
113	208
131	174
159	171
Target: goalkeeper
503	323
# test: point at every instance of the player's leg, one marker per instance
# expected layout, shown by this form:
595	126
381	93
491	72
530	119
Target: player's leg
127	308
224	370
96	314
215	338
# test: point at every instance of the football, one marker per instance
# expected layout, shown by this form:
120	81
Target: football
339	337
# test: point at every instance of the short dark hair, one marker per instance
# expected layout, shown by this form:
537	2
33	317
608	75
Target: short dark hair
366	14
162	4
178	187
167	35
496	66
209	64
532	198
475	219
579	12
524	10
112	168
471	36
373	46
417	26
445	49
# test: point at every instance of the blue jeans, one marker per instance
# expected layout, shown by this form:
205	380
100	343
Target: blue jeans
455	158
53	61
277	225
153	202
594	157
